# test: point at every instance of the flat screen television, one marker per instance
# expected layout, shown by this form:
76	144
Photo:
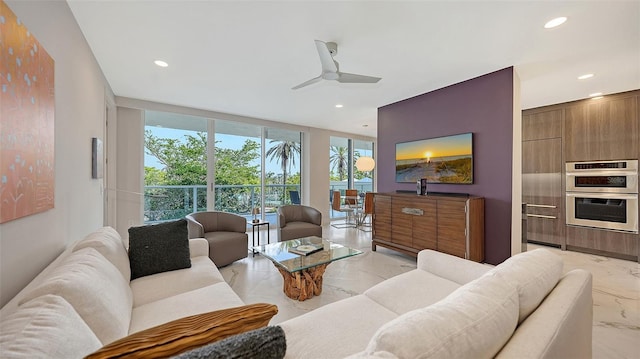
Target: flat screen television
440	160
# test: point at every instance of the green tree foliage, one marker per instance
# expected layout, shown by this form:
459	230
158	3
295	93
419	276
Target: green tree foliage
185	161
339	161
234	166
294	178
284	152
185	165
154	176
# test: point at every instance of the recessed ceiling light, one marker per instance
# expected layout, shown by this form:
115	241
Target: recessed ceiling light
339	106
161	63
555	22
595	94
365	125
585	76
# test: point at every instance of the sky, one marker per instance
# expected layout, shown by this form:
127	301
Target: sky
436	147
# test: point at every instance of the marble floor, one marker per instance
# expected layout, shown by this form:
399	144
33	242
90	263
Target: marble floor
616	287
616	302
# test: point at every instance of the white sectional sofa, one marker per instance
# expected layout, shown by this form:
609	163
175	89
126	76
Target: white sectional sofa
454	308
84	299
446	308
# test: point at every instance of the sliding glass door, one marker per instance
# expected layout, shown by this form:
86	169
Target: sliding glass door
175	166
362	180
238	167
343	154
244	167
282	173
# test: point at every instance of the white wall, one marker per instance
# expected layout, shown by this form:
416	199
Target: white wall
130	170
28	244
315	186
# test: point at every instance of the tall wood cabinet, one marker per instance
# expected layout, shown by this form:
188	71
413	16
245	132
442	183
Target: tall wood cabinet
543	176
586	130
409	223
605	129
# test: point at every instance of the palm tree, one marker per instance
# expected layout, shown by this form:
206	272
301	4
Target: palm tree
339	160
284	152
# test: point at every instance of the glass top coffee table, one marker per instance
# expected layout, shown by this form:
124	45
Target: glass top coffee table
302	274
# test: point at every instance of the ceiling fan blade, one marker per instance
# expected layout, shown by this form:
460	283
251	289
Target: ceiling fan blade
307	83
328	64
353	78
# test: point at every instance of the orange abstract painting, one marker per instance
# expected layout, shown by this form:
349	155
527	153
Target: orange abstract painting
27	109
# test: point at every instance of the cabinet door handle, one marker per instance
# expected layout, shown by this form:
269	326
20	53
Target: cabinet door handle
413	211
541	216
541	205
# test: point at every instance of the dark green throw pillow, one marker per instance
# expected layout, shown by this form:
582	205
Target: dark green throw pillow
158	248
263	343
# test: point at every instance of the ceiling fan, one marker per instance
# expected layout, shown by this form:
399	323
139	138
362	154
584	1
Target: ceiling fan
331	69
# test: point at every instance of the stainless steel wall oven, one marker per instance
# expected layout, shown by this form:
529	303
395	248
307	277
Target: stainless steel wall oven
603	194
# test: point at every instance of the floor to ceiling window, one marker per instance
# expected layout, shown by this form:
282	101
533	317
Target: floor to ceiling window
238	167
343	154
175	166
282	167
362	180
249	167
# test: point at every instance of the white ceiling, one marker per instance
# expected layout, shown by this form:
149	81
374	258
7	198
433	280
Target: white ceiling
243	57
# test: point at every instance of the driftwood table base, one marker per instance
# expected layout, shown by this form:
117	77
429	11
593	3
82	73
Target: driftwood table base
304	284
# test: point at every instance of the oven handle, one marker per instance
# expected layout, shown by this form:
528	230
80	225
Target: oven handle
541	216
602	173
541	205
630	196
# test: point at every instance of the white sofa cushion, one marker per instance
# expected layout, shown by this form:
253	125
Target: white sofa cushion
473	322
95	289
46	327
450	267
198	247
534	274
202	300
335	330
109	243
376	355
155	287
408	286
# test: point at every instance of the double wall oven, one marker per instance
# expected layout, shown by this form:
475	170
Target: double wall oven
603	194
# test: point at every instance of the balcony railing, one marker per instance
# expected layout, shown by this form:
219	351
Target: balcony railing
164	203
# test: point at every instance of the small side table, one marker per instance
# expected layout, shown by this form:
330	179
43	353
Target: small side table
253	234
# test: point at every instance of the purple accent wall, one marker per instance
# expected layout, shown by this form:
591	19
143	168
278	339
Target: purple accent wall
484	106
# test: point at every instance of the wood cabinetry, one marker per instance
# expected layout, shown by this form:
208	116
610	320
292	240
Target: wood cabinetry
586	130
542	176
416	228
605	129
618	244
382	217
410	223
542	125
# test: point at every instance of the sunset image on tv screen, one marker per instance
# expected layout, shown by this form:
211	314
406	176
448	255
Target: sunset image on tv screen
439	160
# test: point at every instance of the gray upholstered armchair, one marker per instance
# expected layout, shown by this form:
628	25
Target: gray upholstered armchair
297	221
225	232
